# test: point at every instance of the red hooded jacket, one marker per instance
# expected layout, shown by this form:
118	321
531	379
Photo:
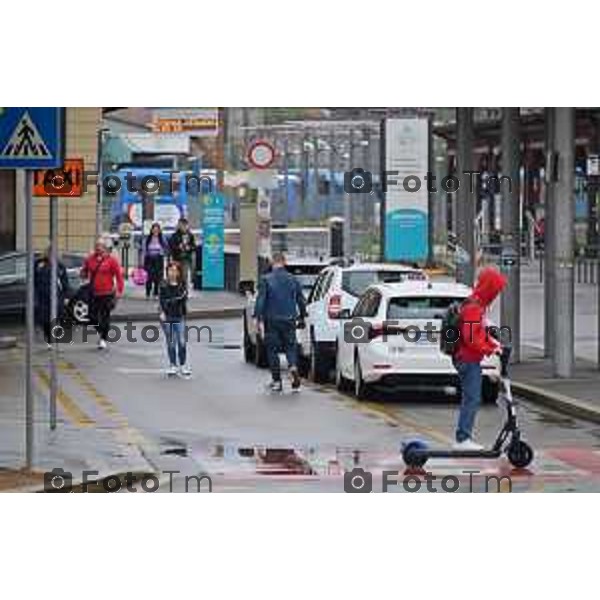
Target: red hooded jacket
475	341
108	273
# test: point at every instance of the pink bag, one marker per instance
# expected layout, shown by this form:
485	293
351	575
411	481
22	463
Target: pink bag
139	276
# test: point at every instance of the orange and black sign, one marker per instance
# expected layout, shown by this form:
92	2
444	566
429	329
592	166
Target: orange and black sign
67	181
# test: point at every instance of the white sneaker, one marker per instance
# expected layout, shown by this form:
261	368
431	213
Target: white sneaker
467	445
185	371
49	346
102	344
172	371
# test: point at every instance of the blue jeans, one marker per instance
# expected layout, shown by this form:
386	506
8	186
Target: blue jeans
176	343
470	381
280	336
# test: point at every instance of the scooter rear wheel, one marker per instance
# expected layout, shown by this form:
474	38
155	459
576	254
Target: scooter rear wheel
520	454
413	455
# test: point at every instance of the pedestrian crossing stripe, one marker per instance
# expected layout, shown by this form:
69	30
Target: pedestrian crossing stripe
26	141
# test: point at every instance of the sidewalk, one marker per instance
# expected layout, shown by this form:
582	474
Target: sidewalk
202	304
533	378
578	396
74	447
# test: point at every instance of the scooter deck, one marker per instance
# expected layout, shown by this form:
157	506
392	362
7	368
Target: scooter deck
485	453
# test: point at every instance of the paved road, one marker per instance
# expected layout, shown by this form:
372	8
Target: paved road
223	423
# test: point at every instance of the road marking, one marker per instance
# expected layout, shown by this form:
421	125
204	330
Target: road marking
393	416
69	405
124	432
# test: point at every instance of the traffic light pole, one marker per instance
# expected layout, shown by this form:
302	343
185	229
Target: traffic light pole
564	291
549	235
465	221
511	246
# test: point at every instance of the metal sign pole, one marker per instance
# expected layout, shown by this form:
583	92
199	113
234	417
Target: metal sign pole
29	322
53	305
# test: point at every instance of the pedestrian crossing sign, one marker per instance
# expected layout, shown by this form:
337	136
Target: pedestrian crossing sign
31	138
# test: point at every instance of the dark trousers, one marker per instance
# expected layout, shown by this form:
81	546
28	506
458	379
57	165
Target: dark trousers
280	336
101	309
154	266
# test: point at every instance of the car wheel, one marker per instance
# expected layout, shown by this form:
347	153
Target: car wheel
360	387
260	353
341	383
319	365
249	349
80	311
489	390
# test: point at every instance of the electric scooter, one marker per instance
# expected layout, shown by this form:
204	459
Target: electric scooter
416	453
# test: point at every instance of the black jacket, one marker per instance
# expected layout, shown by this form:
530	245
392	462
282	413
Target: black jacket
173	301
42	276
182	245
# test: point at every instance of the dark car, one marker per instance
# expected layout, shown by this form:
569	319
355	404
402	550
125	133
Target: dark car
13	270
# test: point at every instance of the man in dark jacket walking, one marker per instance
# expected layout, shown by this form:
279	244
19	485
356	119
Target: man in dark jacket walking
279	304
182	247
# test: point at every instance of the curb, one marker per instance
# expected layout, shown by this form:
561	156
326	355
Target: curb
205	313
559	402
94	485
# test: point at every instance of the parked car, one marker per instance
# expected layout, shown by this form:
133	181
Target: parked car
13	286
378	344
307	272
338	288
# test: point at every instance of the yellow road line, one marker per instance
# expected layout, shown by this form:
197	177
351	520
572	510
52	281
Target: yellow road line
68	404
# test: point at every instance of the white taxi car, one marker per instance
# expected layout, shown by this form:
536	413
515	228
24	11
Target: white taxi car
336	291
392	341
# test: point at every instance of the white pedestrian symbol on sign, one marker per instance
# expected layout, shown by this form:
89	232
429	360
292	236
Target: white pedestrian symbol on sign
26	141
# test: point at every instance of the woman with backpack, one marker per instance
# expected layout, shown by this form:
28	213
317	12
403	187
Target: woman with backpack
155	249
173	306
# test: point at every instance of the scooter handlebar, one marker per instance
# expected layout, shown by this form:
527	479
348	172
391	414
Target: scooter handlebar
505	359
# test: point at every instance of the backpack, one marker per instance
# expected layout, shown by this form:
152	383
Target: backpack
451	323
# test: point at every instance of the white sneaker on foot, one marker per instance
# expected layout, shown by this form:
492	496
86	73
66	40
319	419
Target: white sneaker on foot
101	344
172	370
185	371
467	445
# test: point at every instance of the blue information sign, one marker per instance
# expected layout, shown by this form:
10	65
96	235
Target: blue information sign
213	243
31	138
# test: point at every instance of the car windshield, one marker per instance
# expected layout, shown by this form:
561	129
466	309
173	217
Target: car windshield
356	282
420	307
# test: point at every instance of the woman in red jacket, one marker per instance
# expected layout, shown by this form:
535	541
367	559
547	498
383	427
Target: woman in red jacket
475	342
104	273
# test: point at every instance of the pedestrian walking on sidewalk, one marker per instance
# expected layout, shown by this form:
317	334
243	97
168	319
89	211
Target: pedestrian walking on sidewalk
182	247
279	304
155	249
475	342
106	284
173	305
43	294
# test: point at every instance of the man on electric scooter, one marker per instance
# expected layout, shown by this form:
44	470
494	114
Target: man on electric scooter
474	344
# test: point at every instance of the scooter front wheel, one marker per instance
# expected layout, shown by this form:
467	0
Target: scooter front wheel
520	454
413	454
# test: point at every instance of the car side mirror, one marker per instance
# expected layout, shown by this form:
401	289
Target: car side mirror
345	313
